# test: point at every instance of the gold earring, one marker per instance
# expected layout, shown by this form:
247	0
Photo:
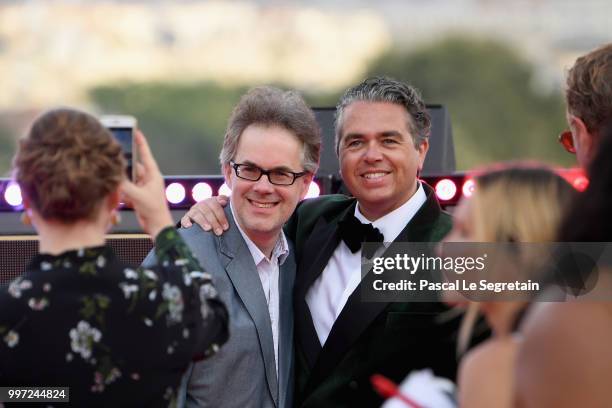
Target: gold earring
25	219
115	218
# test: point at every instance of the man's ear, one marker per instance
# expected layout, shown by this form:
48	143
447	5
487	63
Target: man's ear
584	141
305	184
227	174
422	150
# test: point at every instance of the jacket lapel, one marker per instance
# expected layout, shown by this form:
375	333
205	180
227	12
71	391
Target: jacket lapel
318	249
422	227
285	347
242	272
356	316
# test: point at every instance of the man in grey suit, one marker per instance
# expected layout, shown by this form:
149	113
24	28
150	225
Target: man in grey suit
269	156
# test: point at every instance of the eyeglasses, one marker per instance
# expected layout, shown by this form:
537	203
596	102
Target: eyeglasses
276	177
567	140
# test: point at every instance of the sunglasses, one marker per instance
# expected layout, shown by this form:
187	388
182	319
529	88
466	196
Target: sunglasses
567	140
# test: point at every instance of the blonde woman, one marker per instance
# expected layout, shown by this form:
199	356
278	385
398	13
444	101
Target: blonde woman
516	203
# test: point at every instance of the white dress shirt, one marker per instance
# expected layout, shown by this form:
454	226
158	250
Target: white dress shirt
268	270
329	293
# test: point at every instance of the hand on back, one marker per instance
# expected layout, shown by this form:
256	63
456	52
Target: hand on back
208	214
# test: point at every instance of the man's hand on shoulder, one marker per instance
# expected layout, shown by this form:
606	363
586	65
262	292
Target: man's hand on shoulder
208	214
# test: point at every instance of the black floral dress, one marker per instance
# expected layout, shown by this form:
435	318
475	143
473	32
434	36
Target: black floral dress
117	336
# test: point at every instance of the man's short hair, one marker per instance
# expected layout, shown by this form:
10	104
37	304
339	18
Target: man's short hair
271	106
383	89
589	88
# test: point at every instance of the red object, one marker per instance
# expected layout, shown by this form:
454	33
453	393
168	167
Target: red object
575	176
388	389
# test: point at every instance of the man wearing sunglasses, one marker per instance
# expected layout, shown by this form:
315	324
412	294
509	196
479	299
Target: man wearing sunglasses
564	359
269	156
589	103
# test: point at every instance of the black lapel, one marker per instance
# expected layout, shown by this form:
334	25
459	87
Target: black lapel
356	316
285	332
318	249
420	227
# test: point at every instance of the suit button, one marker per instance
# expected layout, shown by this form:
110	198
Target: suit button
353	385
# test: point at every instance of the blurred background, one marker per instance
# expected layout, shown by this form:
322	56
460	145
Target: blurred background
180	66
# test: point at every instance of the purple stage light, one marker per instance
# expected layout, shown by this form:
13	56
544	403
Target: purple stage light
175	193
12	194
313	190
225	190
201	191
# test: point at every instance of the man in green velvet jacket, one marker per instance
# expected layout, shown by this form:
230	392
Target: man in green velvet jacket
382	133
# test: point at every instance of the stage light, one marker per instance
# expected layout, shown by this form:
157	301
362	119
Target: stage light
580	183
445	189
468	188
12	194
313	190
201	191
225	190
175	193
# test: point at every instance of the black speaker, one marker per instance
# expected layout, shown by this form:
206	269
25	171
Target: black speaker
17	251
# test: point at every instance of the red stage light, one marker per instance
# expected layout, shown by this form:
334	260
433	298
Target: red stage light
468	188
445	189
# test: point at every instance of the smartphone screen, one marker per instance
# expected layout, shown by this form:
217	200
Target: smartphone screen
122	127
124	137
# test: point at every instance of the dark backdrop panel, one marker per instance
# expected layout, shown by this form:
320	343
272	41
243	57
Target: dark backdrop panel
11	225
16	252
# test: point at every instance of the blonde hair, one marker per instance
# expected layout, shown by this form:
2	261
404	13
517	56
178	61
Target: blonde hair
519	202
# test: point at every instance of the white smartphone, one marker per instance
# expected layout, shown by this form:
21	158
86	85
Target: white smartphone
123	127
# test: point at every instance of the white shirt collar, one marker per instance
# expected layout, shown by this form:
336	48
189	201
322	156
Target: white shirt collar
280	251
391	224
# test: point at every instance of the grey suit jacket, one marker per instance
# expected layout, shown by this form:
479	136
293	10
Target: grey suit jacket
242	373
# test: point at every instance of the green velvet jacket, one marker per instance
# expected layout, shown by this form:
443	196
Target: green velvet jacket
368	337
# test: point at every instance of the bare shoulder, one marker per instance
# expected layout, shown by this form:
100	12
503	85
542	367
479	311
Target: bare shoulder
569	324
565	357
486	372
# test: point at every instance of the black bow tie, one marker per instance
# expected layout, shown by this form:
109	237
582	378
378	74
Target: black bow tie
354	233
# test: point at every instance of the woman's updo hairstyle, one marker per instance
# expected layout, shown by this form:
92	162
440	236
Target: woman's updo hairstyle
67	165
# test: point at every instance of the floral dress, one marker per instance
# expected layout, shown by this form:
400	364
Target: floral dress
117	336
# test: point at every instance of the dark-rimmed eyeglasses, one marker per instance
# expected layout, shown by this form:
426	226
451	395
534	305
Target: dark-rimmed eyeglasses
253	173
567	141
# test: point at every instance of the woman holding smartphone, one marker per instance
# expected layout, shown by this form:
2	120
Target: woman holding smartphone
79	317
